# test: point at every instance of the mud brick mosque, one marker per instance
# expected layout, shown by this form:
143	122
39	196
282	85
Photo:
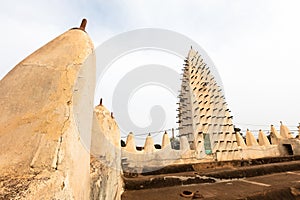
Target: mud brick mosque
55	144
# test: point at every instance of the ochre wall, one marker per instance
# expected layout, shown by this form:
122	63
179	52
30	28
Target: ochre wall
39	123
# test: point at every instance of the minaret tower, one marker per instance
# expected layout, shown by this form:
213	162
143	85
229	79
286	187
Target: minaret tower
203	114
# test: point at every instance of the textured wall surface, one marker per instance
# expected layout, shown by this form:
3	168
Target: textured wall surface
106	180
55	145
206	121
150	158
41	151
203	114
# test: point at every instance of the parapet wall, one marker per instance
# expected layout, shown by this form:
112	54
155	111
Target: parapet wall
282	144
150	158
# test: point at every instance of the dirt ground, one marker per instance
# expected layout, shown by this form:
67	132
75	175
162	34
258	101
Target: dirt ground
284	185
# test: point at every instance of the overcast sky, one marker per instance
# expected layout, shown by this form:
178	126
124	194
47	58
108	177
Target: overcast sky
254	44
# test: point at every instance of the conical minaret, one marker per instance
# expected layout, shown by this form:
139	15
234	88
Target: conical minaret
203	114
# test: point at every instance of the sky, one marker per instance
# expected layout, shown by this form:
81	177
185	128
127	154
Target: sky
254	45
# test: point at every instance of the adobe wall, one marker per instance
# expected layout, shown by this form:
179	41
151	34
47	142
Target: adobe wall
48	126
204	117
106	179
150	158
261	147
41	148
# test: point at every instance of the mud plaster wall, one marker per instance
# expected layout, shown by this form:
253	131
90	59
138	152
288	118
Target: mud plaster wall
106	181
39	123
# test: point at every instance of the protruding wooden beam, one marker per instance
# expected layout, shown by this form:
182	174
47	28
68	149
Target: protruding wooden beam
83	24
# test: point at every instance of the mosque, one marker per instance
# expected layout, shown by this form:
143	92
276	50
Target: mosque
55	144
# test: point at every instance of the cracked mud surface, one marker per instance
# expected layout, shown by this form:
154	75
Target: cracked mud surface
14	187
